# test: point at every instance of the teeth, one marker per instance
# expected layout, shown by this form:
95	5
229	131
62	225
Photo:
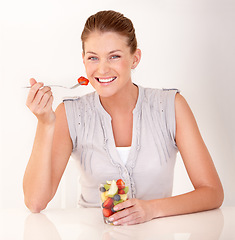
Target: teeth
106	80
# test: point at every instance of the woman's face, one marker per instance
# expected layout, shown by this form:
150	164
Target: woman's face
108	62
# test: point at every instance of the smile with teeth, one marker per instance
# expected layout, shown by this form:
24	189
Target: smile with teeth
105	80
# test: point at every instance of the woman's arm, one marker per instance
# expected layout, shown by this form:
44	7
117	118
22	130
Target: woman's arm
208	193
51	150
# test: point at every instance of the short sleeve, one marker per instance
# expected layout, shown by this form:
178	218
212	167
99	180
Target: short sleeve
169	106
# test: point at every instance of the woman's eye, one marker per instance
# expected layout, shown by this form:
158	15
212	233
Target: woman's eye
92	58
115	56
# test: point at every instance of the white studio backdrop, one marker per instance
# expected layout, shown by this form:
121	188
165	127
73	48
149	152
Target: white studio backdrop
186	44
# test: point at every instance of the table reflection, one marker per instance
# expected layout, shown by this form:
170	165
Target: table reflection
38	227
206	225
88	224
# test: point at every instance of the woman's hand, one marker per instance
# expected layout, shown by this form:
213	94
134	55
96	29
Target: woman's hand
133	211
40	101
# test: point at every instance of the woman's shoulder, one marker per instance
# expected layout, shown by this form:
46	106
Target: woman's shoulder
159	95
86	97
78	106
80	101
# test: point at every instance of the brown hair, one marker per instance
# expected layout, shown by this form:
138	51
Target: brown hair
110	21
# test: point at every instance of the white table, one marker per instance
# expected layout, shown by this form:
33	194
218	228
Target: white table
87	223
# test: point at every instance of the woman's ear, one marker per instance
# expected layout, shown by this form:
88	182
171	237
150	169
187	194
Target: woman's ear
136	59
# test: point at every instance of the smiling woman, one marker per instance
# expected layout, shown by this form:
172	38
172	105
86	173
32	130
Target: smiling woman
108	62
152	124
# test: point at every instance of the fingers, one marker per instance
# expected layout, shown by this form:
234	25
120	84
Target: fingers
33	91
48	104
127	212
126	204
32	81
133	218
40	98
127	216
132	211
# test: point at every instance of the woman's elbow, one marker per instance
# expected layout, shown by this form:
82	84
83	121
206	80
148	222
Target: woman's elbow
218	196
221	198
35	206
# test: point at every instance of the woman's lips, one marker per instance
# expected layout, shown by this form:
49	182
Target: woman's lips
105	80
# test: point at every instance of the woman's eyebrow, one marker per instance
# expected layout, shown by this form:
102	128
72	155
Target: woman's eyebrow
113	51
92	53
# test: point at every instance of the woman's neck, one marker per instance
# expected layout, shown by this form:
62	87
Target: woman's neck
122	102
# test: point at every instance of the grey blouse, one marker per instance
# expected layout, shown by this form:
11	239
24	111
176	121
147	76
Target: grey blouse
150	166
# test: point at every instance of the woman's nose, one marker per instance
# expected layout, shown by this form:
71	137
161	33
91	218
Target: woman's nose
103	67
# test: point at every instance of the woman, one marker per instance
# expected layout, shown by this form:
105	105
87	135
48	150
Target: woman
149	126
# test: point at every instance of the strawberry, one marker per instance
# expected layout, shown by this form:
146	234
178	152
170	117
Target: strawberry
107	212
108	203
120	184
83	81
121	191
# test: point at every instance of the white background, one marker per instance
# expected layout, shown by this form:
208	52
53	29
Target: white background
186	44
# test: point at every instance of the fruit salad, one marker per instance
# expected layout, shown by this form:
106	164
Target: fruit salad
112	193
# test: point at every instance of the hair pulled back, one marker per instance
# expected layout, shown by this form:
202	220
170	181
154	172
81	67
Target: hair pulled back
110	21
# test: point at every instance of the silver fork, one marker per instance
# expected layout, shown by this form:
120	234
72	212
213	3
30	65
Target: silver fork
76	85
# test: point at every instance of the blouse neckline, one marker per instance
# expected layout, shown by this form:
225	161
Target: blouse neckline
106	114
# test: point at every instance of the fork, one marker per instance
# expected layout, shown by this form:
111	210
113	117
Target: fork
81	81
76	85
